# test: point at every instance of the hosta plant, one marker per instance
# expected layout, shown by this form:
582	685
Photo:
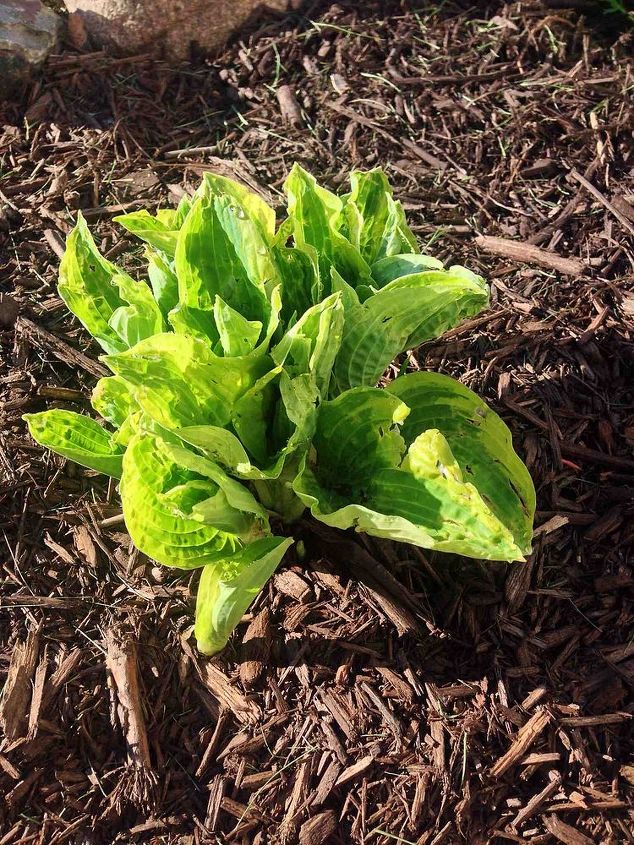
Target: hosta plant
244	388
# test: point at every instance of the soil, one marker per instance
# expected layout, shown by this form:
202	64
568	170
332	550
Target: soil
375	693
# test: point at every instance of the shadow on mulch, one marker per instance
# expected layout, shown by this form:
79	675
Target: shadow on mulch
377	693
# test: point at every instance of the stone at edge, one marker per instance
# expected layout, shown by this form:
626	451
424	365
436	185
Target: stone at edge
166	28
28	33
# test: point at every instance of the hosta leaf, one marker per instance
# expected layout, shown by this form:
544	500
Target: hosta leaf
251	204
251	244
311	344
139	319
459	487
274	420
228	587
402	315
178	381
115	309
78	438
219	444
238	336
160	230
252	415
392	267
317	222
207	266
163	281
367	210
158	497
113	399
300	282
480	441
154	231
86	285
237	495
357	434
397	236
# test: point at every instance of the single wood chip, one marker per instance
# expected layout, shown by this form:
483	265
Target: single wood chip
256	647
83	542
210	751
61	350
595	721
540	759
340	713
317	830
221	688
14	706
121	660
400	687
9	310
529	254
388	718
355	770
289	107
327	783
292	585
256	780
8	767
564	832
36	697
536	801
438	735
524	738
216	794
240	811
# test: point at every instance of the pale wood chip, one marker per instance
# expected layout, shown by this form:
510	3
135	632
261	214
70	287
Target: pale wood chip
536	801
438	735
85	545
216	794
36	697
327	783
8	767
317	830
16	694
529	254
223	719
287	830
539	759
595	721
221	688
340	713
355	770
60	551
524	738
289	107
256	647
533	698
388	717
400	687
291	584
138	784
564	832
256	780
240	811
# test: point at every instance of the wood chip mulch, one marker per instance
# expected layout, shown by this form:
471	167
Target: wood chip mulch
375	693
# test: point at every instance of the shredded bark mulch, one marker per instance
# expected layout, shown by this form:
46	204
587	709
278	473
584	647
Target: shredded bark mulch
375	693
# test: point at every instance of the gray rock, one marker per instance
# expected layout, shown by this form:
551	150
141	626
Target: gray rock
28	33
166	28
